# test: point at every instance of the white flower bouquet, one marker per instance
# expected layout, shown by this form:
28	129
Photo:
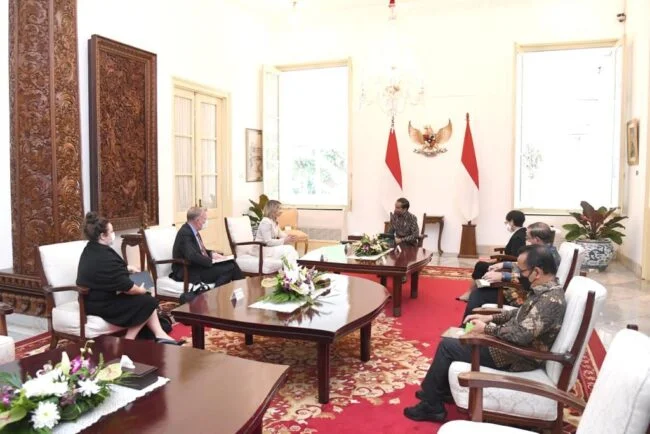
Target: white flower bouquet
369	246
58	393
294	283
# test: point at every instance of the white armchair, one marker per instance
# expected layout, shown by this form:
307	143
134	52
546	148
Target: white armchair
66	314
584	301
7	345
240	237
159	243
619	402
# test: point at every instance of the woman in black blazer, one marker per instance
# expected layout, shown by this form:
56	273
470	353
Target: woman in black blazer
112	295
514	224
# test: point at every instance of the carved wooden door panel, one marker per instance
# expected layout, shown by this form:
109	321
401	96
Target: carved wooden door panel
199	134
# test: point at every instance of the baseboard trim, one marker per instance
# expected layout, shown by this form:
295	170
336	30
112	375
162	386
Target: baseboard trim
629	264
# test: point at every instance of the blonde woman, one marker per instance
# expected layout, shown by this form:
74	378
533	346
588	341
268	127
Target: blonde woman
278	244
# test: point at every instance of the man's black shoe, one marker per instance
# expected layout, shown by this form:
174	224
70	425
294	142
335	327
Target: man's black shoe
447	398
423	411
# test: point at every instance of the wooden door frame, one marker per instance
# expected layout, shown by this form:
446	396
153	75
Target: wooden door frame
224	179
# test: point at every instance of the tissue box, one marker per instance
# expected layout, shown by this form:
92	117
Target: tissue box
140	377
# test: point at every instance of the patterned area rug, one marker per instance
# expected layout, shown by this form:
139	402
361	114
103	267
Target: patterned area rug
368	395
454	273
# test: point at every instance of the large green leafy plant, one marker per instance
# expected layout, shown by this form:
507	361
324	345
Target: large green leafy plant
595	224
255	211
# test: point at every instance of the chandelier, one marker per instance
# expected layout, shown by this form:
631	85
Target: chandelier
396	84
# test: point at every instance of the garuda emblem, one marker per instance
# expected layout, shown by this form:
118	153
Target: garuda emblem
430	143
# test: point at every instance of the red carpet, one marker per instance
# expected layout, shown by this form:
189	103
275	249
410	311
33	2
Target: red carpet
365	397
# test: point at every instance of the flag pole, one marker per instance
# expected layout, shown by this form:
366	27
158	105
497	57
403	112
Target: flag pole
468	247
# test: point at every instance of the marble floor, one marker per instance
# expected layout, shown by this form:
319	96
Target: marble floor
628	302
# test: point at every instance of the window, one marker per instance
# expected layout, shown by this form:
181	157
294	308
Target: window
306	124
568	126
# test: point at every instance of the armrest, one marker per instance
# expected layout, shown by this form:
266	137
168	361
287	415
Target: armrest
250	243
500	250
503	258
484	379
422	236
6	309
490	341
487	310
52	289
174	261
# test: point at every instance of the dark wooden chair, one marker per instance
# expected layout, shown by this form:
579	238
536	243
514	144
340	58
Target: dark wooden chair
584	301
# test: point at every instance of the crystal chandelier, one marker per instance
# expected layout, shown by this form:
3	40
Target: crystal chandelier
396	85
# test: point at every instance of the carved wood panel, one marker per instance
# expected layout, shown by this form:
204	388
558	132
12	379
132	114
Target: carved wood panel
45	152
123	138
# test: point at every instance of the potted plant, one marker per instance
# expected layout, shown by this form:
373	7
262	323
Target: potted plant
596	230
255	211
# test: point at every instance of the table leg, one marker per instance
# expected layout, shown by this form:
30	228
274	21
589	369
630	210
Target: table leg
397	295
382	280
365	342
198	337
441	227
141	257
248	338
323	372
414	284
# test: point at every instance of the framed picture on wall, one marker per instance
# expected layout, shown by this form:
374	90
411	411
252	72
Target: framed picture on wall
633	142
253	155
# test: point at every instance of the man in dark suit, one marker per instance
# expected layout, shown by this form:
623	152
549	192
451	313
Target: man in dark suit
189	245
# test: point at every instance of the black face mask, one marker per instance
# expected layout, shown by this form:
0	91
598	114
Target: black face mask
525	283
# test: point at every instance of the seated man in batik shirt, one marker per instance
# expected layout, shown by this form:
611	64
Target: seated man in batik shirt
403	224
534	325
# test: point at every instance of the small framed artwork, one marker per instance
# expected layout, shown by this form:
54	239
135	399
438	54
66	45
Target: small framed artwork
633	142
253	155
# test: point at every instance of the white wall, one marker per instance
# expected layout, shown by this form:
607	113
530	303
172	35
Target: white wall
468	56
637	97
212	42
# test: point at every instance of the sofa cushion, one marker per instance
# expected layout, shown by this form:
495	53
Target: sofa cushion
251	264
502	400
65	319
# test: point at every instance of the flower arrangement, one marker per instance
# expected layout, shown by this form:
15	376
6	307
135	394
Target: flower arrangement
369	246
58	393
294	283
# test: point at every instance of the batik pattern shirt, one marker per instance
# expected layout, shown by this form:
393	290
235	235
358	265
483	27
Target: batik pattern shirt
535	325
405	226
515	296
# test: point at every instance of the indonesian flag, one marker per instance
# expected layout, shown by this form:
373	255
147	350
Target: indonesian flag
392	177
468	178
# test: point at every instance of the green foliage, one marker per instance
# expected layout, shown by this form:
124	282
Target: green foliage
255	211
595	224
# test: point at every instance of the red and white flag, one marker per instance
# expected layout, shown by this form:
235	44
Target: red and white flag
392	176
468	178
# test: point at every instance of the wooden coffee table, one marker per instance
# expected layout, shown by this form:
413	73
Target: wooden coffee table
207	391
352	304
410	261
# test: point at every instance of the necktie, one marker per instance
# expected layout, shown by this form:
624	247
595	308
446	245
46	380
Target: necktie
204	252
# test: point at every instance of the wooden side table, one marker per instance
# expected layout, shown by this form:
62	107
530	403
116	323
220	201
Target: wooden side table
134	240
432	219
